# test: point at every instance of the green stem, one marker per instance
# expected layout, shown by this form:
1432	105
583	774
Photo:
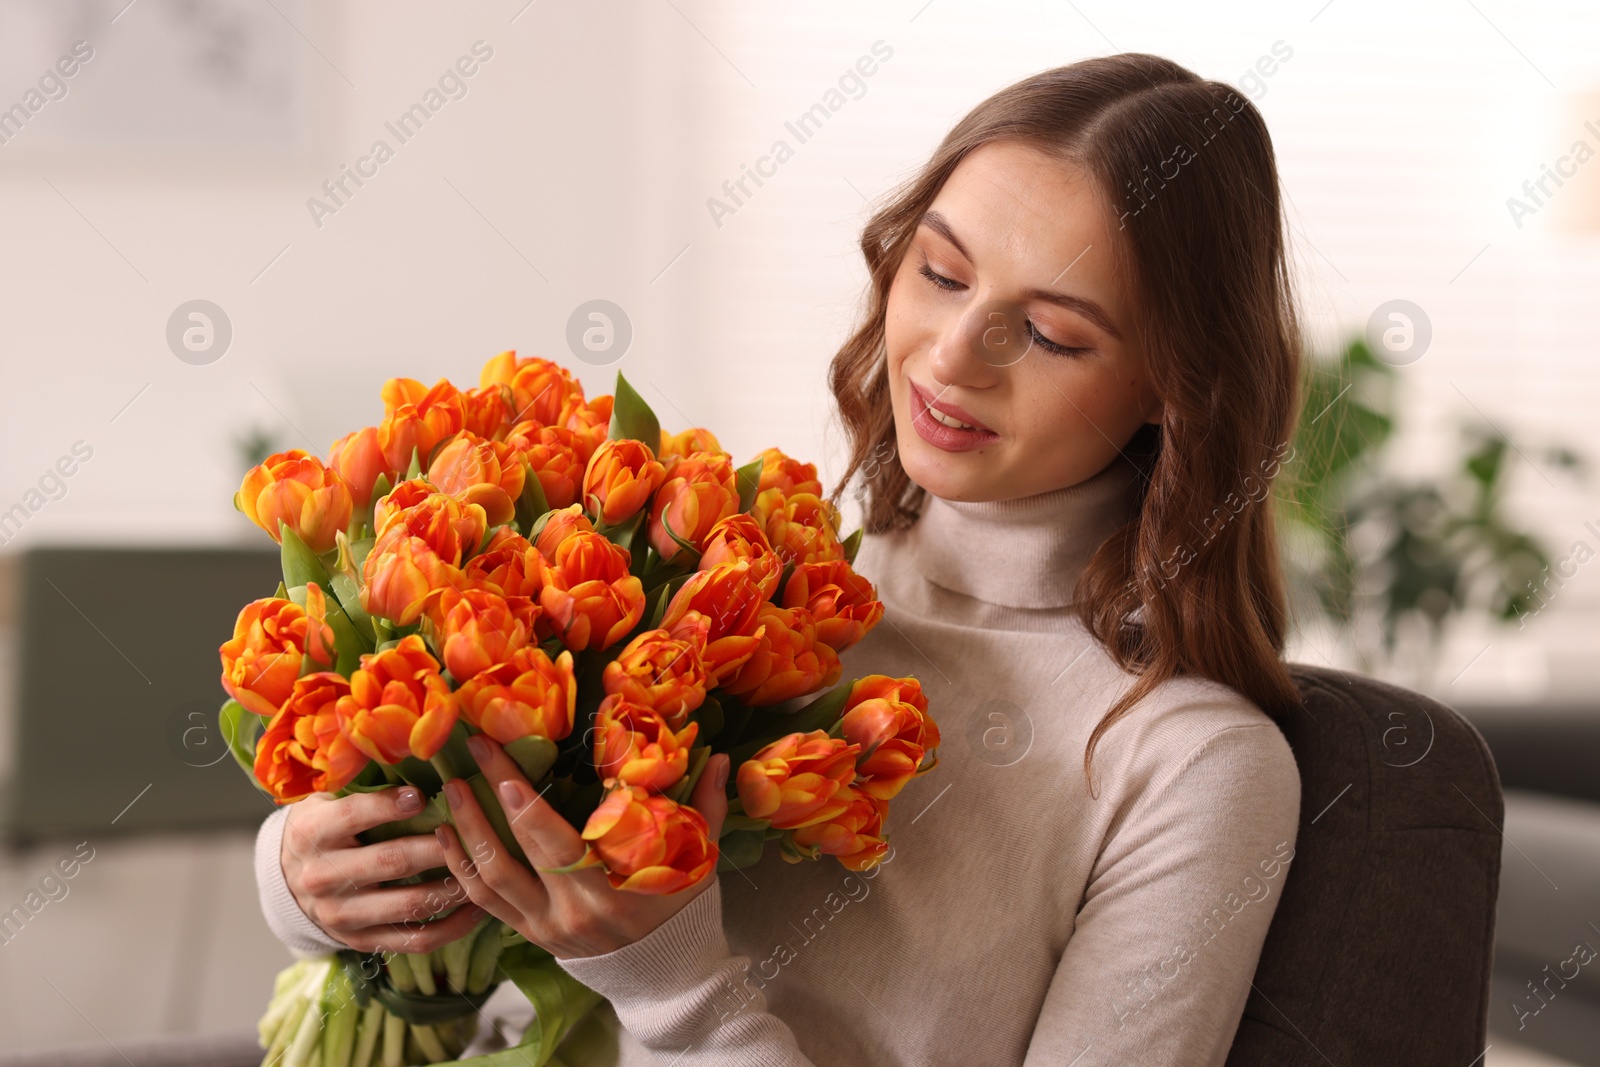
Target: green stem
422	968
429	1040
394	1041
371	1030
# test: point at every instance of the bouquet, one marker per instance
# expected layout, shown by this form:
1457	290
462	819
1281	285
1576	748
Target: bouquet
612	604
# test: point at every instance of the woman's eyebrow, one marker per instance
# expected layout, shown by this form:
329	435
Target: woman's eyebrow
941	226
1087	308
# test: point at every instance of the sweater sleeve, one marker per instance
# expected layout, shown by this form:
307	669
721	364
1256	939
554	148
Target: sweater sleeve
1172	922
670	989
287	922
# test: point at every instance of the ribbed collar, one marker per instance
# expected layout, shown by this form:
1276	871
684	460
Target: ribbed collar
1026	552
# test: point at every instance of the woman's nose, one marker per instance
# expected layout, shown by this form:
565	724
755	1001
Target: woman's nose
985	338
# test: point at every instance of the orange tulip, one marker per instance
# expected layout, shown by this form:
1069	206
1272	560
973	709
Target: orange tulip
359	461
590	425
789	475
588	594
542	391
416	419
649	843
527	694
402	574
888	717
659	671
798	780
636	745
476	629
294	488
404	495
620	478
801	527
561	525
452	527
788	662
855	836
728	600
552	453
476	471
486	411
700	491
262	660
508	565
399	704
303	751
681	445
843	603
739	536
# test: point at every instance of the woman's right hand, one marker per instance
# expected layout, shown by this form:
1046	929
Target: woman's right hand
335	878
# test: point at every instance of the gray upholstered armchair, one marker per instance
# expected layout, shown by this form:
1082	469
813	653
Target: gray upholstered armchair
1381	948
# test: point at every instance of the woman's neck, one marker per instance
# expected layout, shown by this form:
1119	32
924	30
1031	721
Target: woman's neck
1026	552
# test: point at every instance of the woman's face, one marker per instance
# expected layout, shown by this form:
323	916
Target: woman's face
1007	313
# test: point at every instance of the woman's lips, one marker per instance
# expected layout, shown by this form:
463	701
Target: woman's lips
936	433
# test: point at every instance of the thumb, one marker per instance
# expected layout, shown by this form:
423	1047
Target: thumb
710	795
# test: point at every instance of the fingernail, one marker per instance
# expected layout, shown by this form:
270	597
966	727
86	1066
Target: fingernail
454	793
410	798
722	772
513	794
479	749
444	838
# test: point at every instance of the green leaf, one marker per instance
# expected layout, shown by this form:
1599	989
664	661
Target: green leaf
534	754
559	1001
347	583
631	417
241	729
414	470
709	716
739	849
748	479
300	564
531	504
689	546
624	532
852	545
349	643
348	592
420	773
658	606
821	714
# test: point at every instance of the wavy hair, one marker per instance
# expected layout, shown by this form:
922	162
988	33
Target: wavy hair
1192	584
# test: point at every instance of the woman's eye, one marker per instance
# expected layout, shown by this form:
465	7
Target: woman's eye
1038	338
1051	346
938	279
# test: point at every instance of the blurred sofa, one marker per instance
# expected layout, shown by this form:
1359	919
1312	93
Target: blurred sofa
1545	989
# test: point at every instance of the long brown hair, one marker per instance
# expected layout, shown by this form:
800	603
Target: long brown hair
1192	585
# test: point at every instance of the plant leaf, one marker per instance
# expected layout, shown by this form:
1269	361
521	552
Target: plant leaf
631	417
748	479
300	564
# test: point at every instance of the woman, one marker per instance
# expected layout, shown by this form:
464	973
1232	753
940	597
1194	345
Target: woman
1070	392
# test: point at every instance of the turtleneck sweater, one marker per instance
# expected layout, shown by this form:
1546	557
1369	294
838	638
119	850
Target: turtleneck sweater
1018	918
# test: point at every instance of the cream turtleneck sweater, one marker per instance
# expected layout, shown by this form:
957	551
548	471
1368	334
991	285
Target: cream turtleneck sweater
1016	919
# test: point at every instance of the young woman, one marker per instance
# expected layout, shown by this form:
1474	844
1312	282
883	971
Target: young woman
1070	392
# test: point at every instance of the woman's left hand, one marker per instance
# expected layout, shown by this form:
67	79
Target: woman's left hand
572	914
